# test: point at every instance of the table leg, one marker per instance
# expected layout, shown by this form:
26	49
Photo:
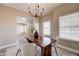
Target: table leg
46	51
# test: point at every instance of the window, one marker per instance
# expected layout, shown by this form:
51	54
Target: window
21	28
36	25
69	27
46	28
21	25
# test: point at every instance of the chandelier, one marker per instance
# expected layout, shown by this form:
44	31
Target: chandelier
38	11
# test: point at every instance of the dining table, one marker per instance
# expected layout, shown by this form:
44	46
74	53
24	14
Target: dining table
44	42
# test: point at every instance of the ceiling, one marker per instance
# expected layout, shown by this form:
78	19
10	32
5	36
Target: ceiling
48	7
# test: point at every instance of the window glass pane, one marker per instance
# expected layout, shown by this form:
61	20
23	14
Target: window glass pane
19	29
21	25
36	26
46	28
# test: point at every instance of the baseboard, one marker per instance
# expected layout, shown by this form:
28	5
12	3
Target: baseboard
6	46
70	49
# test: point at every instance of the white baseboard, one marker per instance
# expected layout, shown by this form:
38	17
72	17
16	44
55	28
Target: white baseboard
6	46
70	49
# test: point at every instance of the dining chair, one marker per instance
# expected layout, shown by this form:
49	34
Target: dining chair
28	49
20	40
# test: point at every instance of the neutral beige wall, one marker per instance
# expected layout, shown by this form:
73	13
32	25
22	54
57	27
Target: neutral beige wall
60	11
8	24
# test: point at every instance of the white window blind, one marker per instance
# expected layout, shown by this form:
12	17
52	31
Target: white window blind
69	26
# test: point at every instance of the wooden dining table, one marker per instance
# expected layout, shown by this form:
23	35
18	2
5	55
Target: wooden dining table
45	43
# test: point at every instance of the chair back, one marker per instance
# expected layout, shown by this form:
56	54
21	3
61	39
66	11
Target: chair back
21	40
28	49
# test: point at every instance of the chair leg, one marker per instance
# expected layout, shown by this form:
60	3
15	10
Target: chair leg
17	52
56	51
36	51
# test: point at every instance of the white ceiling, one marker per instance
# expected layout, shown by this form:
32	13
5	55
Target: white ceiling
23	6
